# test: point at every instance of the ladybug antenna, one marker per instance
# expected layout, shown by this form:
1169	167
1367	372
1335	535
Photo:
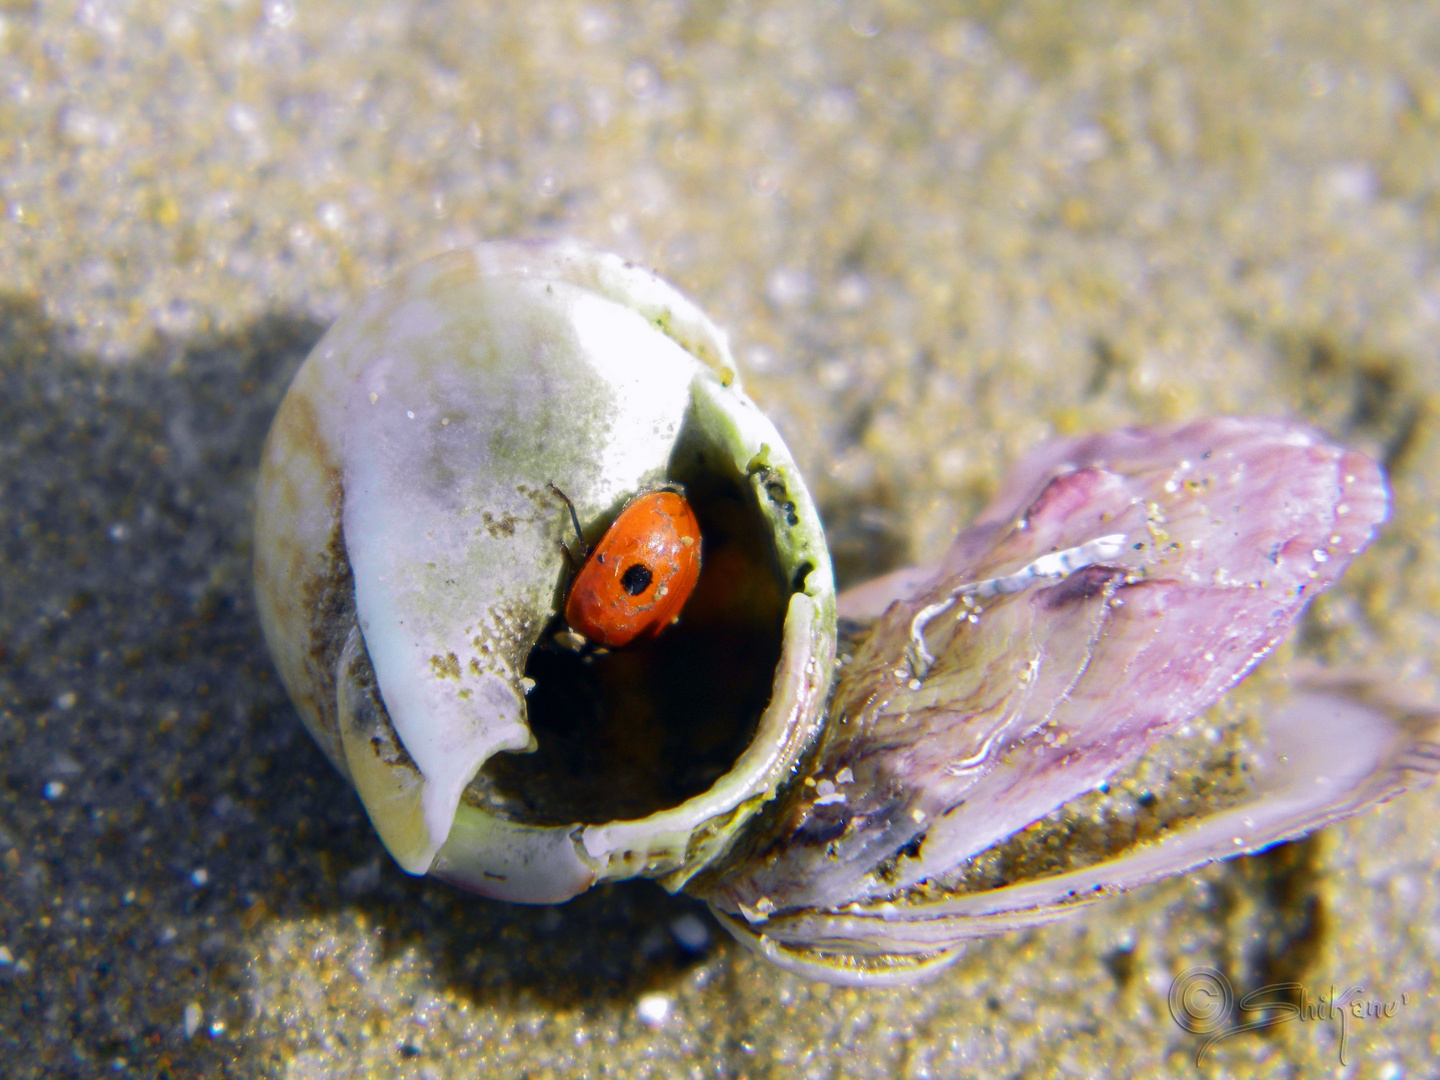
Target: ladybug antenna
574	520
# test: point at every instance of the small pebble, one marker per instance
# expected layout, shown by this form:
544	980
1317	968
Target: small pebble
653	1009
691	932
193	1015
199	876
54	789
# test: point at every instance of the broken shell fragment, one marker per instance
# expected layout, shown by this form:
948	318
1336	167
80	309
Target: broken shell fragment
411	586
1117	587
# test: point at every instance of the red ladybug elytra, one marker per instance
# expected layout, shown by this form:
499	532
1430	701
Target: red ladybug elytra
633	584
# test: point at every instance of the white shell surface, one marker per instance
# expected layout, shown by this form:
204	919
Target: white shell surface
414	451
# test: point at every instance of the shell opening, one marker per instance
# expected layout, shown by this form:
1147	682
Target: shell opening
627	733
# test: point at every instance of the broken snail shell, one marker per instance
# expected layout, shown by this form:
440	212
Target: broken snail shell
411	586
409	570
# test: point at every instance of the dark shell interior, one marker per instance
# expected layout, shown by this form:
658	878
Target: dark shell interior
626	733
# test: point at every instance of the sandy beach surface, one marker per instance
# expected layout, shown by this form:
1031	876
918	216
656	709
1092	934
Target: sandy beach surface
938	235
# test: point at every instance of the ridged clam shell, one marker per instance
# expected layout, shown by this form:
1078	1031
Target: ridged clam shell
1118	586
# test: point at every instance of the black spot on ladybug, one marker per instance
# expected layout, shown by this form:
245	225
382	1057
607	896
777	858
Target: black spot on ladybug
636	579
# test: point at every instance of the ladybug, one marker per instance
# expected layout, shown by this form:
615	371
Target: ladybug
633	583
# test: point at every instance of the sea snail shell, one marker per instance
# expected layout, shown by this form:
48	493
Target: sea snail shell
409	562
410	584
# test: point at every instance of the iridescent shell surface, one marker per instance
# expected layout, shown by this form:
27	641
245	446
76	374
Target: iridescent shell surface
410	582
1119	585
